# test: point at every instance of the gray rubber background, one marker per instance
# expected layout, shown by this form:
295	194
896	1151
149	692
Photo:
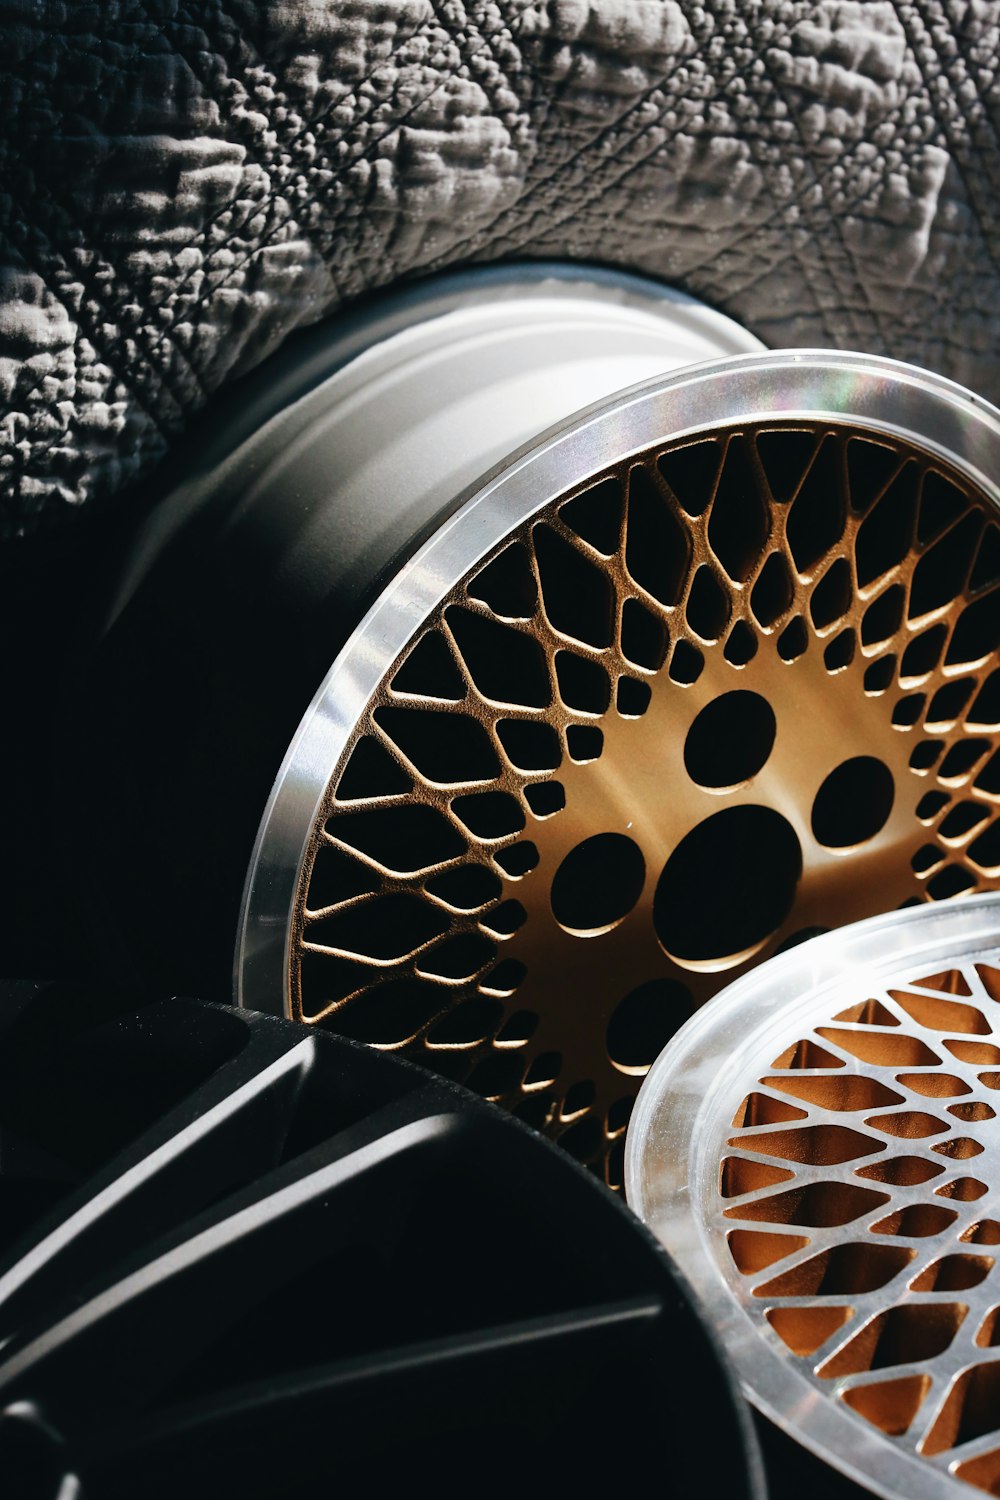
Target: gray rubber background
181	185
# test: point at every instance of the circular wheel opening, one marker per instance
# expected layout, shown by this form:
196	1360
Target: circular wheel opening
727	887
598	883
854	803
730	740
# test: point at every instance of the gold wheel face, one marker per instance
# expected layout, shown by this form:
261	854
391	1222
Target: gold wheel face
734	690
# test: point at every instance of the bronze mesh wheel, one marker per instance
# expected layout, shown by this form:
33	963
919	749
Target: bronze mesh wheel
837	1185
533	678
731	692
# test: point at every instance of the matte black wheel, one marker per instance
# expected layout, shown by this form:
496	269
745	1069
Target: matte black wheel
246	1258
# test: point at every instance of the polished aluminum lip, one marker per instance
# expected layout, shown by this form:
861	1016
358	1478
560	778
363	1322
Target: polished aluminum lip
883	395
670	1174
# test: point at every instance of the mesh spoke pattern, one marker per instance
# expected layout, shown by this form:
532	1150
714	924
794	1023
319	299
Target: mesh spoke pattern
732	692
862	1211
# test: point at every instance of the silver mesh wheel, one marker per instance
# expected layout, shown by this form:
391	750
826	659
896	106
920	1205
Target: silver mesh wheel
820	1149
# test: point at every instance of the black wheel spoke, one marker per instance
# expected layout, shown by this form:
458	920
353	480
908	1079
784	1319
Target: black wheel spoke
202	1276
231	1132
513	1365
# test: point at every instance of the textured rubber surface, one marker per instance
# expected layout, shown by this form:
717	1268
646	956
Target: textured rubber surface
186	183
